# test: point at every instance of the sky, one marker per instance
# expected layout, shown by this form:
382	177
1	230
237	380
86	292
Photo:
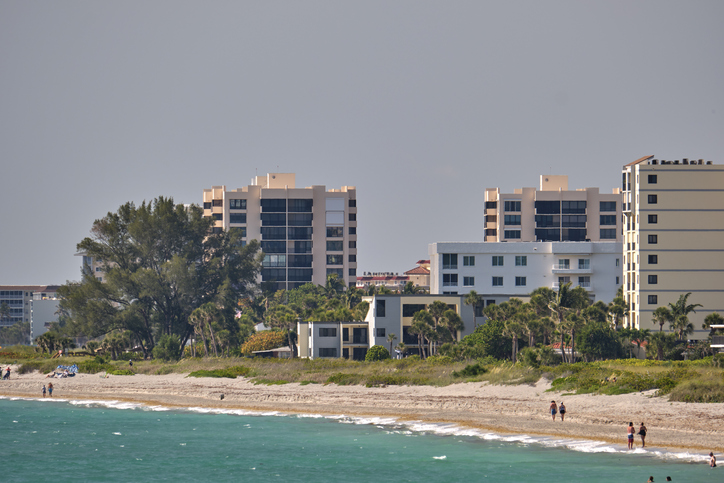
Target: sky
420	105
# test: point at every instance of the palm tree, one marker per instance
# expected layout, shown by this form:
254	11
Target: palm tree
712	319
618	309
512	329
453	323
474	300
401	347
422	326
660	316
680	311
391	339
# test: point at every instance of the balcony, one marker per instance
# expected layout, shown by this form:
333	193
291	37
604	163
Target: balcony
717	342
570	269
585	285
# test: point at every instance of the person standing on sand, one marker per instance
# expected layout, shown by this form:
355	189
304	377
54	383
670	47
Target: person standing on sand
554	410
642	433
43	390
562	410
630	432
712	460
50	389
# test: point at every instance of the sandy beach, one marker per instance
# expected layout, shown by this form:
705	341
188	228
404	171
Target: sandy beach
523	409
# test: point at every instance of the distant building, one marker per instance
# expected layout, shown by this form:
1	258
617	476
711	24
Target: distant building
390	280
420	275
92	265
305	233
19	297
388	314
552	213
673	238
503	270
43	312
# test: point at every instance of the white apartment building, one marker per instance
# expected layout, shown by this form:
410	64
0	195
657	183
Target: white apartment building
673	238
552	213
19	298
499	271
305	233
388	314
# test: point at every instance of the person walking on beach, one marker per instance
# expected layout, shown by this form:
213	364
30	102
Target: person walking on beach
562	410
43	390
642	433
554	410
7	374
630	432
712	460
50	389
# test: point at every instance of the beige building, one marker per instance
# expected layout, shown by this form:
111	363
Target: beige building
673	238
305	233
552	213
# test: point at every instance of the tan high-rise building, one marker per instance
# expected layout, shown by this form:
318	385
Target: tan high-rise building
305	233
673	238
552	213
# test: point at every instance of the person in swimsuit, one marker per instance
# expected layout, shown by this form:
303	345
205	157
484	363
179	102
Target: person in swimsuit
712	460
50	389
562	410
554	410
630	432
642	433
43	390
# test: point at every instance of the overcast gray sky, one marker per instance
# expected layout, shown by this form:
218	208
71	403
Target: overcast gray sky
420	105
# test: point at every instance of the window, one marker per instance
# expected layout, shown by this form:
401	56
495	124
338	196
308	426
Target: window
497	281
352	272
353	244
653	179
352	203
584	282
512	234
237	217
380	308
272	205
237	204
352	230
608	219
608	233
653	299
327	352
521	261
353	217
653	239
520	281
618	262
512	205
449	279
217	203
497	260
299	233
299	219
300	205
573	206
547	207
207	205
653	279
274	261
217	216
335	232
584	263
468	281
653	219
335	246
335	259
327	332
380	332
607	206
548	234
449	261
618	280
353	259
564	264
409	310
653	259
491	205
653	199
336	271
512	219
468	261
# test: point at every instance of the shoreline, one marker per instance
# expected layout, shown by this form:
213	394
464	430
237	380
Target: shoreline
502	410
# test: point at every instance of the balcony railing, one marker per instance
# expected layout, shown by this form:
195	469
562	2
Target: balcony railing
717	340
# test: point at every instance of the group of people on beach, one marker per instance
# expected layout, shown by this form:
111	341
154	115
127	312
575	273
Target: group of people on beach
631	431
558	409
49	389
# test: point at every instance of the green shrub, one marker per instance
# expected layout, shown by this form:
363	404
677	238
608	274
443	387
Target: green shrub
231	372
377	353
93	367
167	348
344	379
439	360
386	380
471	370
122	372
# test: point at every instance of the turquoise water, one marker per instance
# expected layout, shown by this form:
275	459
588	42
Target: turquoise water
56	440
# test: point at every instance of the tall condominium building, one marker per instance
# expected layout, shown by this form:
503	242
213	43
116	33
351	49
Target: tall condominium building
673	238
305	233
552	213
19	299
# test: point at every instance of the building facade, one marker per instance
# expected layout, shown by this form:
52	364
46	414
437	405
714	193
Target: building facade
499	271
305	233
552	213
19	298
673	238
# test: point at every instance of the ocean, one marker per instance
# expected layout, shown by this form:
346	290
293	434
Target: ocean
104	441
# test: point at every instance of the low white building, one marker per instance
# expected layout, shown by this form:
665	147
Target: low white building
503	270
43	312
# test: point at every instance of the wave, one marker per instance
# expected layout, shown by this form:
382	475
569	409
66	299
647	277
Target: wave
408	428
